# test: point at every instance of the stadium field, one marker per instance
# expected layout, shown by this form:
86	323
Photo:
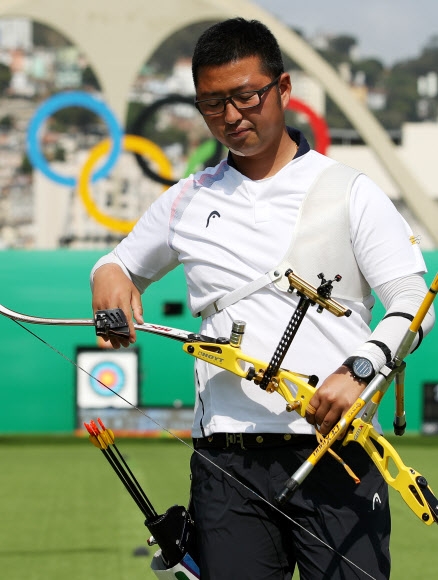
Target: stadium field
64	513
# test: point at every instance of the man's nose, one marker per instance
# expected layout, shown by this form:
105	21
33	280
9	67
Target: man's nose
232	113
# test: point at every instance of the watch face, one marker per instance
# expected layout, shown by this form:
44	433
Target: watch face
362	368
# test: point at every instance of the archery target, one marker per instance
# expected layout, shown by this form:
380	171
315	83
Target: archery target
110	374
109	378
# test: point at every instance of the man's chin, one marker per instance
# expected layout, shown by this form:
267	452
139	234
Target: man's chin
235	152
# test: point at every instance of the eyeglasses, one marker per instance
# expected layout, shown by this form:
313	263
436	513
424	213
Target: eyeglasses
247	100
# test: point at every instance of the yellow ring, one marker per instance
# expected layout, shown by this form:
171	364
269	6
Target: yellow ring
132	143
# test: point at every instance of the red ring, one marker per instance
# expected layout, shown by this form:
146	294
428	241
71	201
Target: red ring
318	125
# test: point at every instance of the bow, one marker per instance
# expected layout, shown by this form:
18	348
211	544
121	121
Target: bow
297	389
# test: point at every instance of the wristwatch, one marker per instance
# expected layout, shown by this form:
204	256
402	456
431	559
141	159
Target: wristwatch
361	368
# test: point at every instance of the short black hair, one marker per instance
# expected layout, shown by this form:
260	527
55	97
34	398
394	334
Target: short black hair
234	39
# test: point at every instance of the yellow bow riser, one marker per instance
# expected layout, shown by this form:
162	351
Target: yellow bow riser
232	359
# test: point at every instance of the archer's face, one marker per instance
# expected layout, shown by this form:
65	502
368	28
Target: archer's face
255	132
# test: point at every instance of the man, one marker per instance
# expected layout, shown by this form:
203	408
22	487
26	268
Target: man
229	225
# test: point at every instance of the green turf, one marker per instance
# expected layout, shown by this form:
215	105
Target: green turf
414	545
64	514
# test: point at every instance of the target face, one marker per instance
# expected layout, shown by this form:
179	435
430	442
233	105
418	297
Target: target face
110	378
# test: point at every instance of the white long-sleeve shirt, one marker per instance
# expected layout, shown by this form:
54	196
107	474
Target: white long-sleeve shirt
227	230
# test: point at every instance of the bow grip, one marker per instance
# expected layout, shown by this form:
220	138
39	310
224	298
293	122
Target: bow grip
111	322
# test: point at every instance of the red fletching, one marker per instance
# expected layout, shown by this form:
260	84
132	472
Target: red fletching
95	428
88	428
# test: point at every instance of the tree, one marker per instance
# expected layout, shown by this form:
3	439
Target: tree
45	36
5	77
342	45
7	122
59	153
74	117
179	45
373	69
401	89
26	167
89	78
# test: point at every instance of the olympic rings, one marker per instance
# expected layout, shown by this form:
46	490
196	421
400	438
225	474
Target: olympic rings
207	156
318	125
133	143
202	155
72	99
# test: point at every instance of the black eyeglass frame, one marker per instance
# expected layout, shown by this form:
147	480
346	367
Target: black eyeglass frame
259	93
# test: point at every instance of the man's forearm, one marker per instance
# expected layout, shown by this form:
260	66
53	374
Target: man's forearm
401	299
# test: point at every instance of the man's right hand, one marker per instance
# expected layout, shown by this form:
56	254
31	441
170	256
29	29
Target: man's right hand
113	289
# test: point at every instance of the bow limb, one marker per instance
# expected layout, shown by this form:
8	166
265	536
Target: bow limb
411	485
174	333
17	316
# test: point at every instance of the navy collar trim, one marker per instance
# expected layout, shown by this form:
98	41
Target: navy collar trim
295	135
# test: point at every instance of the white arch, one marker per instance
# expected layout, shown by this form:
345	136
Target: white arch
119	35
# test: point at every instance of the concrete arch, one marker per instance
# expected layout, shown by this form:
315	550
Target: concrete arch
117	36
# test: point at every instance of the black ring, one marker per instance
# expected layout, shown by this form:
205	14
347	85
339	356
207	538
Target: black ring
411	318
384	348
137	129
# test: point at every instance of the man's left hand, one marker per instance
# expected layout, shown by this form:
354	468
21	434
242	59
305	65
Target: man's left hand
333	399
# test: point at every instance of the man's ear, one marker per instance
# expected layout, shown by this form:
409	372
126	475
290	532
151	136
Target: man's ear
285	89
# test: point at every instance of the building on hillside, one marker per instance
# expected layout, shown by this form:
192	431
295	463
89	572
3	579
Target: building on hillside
16	33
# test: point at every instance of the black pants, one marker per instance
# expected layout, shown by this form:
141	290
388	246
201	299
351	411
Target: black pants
340	530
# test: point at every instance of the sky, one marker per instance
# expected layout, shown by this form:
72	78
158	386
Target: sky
390	30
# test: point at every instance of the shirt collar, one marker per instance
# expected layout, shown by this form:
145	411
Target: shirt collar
296	135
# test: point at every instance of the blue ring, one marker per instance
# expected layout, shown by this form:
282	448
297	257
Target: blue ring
72	99
98	387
